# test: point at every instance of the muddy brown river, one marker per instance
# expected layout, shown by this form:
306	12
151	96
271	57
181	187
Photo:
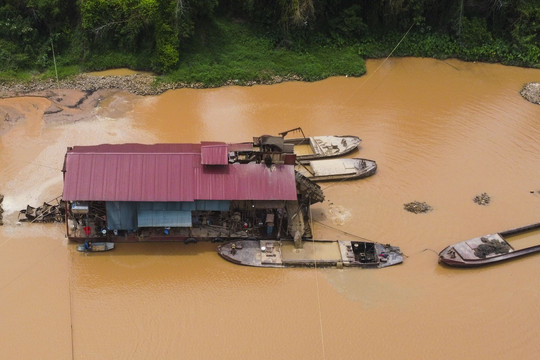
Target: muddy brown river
441	132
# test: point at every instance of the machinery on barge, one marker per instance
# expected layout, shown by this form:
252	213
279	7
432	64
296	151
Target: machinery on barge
169	192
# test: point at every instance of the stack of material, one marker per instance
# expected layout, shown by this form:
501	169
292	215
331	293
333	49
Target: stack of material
531	92
482	199
417	207
53	211
309	190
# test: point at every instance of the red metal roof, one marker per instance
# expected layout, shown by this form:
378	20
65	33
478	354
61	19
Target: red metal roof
168	172
214	154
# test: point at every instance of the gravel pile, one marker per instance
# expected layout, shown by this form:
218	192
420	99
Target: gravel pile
482	199
139	84
417	207
531	92
489	247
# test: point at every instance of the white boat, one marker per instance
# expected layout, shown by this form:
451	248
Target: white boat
321	147
337	169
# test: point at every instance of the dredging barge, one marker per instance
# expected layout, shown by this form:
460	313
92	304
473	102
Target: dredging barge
170	192
248	192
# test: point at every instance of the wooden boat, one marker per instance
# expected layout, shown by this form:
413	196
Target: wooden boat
487	249
321	147
95	247
320	253
337	169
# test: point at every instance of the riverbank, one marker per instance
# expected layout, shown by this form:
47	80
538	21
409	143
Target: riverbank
145	84
139	84
73	99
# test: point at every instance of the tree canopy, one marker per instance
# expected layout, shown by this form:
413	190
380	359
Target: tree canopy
155	34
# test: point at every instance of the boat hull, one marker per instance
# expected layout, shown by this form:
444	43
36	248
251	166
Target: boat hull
318	253
96	247
487	249
326	146
337	169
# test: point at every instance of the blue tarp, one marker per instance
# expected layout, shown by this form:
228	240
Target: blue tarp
121	215
124	215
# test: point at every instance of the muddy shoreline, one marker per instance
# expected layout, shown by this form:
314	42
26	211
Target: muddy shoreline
139	84
145	84
73	99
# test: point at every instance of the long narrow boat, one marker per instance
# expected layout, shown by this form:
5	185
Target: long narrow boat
337	169
95	247
320	147
487	249
320	253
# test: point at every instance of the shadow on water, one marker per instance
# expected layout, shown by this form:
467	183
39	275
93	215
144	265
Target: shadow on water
168	248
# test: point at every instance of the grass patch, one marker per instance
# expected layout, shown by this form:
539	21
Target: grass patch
104	60
226	51
8	76
64	71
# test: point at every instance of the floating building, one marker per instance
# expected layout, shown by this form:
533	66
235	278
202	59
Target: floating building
208	191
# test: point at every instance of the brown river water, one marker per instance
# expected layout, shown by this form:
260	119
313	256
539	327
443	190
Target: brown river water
441	132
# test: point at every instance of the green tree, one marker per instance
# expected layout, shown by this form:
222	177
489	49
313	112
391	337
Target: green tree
120	24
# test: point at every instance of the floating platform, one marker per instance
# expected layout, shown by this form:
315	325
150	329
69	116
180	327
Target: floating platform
320	253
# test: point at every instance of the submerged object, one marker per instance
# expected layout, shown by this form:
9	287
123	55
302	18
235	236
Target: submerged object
487	249
95	247
320	253
337	169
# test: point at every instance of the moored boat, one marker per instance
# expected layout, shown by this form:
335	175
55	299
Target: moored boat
320	253
321	147
337	169
95	247
487	249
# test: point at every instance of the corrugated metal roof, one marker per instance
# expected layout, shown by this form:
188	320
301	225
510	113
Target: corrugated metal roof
168	172
240	147
214	154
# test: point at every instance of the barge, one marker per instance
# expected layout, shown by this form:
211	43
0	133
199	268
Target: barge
319	253
488	249
321	147
186	192
337	169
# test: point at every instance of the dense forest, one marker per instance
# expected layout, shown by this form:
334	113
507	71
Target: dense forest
187	39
